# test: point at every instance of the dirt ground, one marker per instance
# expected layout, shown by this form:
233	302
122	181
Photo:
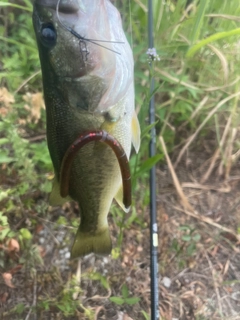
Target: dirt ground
199	261
204	281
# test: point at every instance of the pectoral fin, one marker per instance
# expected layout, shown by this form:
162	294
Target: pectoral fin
55	199
136	132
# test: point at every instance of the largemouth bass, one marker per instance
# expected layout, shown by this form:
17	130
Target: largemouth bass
87	71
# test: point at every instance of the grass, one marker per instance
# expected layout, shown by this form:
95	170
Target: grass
197	91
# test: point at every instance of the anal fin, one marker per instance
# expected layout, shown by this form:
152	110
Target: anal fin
55	199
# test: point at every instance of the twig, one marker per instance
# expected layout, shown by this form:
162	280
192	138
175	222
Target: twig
210	114
235	156
54	223
217	152
37	138
175	80
34	299
223	16
78	279
229	151
27	80
145	9
209	89
52	235
225	189
178	187
223	61
98	309
195	112
234	313
98	297
214	283
208	221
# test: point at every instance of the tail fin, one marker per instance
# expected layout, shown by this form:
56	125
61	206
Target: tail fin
85	243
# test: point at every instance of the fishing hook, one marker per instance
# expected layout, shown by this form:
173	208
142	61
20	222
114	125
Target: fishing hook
104	137
81	38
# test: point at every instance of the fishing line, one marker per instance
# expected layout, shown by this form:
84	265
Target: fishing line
81	38
153	209
130	14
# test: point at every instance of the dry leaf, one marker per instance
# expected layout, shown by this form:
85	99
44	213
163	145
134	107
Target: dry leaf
3	297
6	99
7	277
226	267
42	251
34	105
15	269
123	316
39	228
13	245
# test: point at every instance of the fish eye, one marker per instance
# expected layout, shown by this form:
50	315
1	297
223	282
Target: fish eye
48	35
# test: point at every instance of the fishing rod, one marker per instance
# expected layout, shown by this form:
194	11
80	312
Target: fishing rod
153	211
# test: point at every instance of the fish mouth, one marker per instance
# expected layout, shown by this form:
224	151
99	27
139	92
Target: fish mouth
68	7
78	77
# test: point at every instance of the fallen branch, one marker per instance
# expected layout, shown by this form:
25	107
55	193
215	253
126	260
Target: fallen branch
209	221
176	182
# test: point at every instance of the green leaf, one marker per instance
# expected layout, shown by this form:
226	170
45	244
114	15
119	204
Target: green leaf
27	47
175	245
146	316
186	237
4	158
26	234
62	221
104	282
20	308
3	141
214	37
6	4
196	237
61	307
191	249
45	305
148	164
3	233
198	20
153	92
102	279
3	220
125	292
146	130
117	300
132	301
3	195
185	228
23	188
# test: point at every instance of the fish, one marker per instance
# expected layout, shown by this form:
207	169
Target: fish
88	82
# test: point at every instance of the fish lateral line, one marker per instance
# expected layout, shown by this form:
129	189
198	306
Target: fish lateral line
81	38
79	143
